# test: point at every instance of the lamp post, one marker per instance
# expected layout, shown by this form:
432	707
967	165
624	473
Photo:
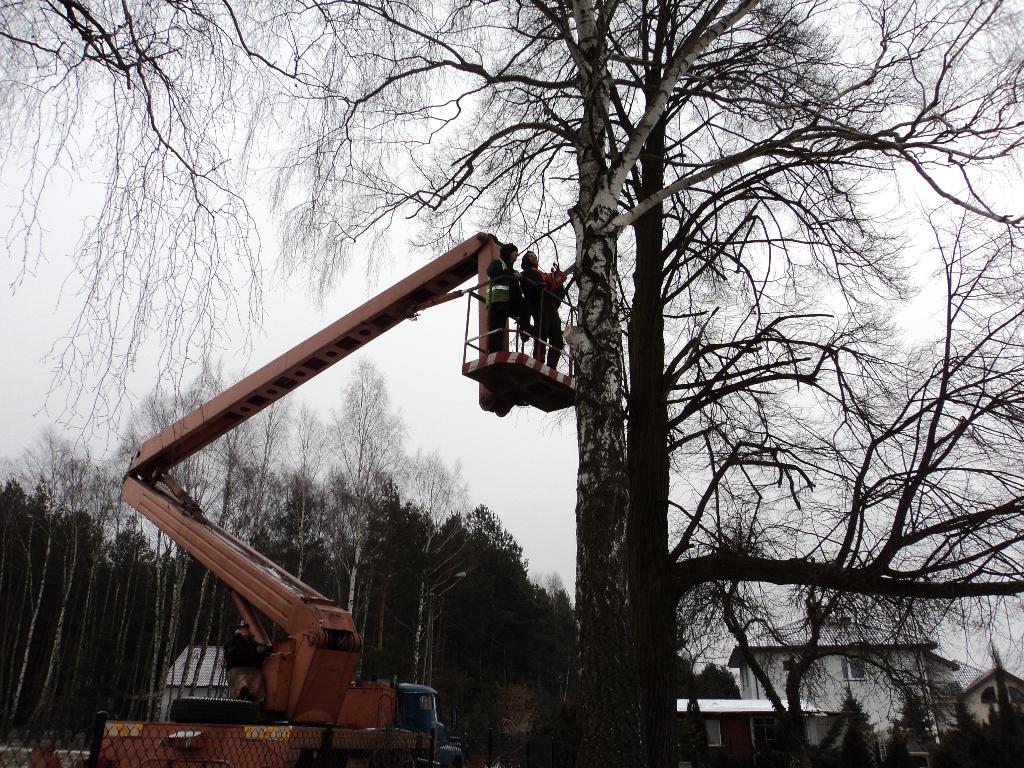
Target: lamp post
431	597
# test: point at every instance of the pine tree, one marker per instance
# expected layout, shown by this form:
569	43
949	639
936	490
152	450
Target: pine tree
855	750
897	755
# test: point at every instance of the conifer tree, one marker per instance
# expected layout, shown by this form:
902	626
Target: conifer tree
855	749
897	754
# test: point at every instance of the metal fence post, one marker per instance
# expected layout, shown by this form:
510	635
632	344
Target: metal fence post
99	726
326	744
552	752
490	746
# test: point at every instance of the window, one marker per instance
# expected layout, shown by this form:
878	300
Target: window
988	696
815	728
764	732
417	711
713	729
853	669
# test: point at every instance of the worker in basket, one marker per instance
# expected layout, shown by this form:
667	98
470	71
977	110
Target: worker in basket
543	293
243	659
504	298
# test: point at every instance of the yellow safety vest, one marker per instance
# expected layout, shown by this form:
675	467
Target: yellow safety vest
500	292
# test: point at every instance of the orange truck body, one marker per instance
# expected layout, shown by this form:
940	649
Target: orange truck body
253	746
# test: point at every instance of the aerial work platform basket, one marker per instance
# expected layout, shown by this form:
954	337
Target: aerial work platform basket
516	374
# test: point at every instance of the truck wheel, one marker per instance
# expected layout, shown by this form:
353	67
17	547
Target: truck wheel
223	711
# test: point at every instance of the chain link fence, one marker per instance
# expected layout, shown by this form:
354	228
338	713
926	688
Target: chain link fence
128	744
501	750
39	748
111	743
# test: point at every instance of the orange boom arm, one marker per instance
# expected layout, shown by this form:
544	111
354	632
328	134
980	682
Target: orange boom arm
310	672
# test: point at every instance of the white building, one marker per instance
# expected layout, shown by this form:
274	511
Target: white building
881	673
980	695
198	671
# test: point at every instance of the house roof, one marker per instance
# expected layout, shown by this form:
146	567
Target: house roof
839	636
966	675
198	665
984	677
739	706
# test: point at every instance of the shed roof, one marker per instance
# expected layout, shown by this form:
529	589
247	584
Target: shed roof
739	706
198	665
966	675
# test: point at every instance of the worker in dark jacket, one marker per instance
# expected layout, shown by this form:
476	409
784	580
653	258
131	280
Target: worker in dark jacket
243	659
543	293
503	296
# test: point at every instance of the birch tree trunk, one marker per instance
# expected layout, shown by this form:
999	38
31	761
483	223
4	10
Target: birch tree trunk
84	645
44	704
169	642
121	607
353	573
417	640
609	731
7	631
158	621
10	646
30	631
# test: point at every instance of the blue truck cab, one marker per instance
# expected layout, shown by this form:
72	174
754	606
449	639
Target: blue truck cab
419	709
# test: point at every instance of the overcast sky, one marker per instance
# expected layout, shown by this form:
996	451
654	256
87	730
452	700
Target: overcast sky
523	466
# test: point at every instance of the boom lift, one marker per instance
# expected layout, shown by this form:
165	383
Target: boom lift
308	677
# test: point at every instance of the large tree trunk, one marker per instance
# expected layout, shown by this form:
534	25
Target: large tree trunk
608	731
608	707
654	608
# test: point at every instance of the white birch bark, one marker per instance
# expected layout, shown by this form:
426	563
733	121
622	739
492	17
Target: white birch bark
44	703
158	623
31	629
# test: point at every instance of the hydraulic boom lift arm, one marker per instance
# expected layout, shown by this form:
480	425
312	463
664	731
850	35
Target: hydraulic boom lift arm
309	674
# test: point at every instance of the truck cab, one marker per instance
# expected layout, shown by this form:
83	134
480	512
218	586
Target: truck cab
419	709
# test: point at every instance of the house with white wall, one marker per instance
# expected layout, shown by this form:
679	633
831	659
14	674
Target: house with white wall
881	672
981	698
